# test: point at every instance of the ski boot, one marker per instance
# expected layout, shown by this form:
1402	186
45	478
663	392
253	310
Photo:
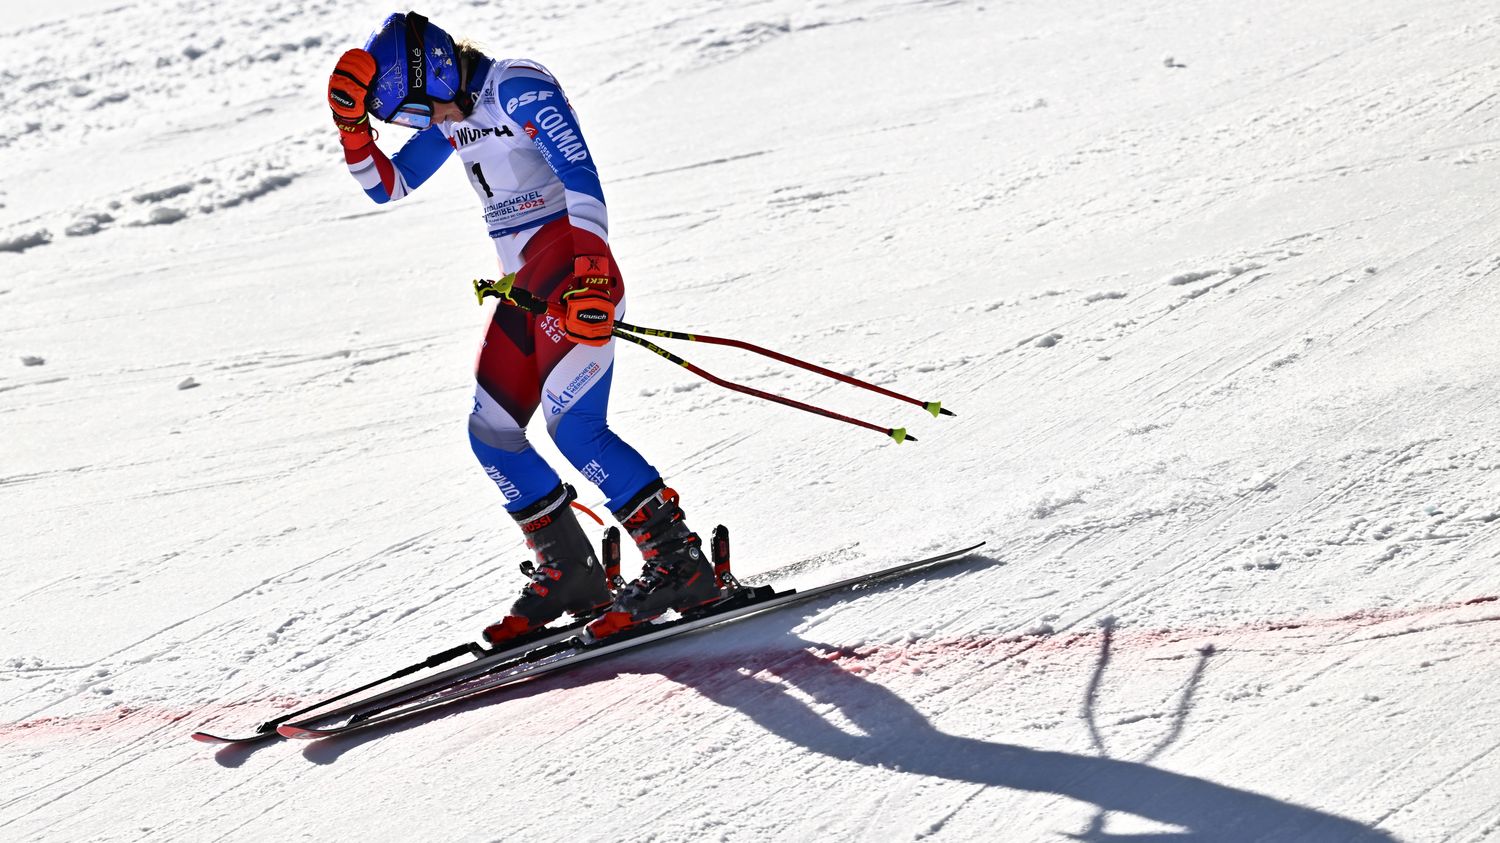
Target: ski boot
678	574
566	576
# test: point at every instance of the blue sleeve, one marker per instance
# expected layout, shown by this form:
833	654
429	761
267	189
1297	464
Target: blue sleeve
539	106
413	163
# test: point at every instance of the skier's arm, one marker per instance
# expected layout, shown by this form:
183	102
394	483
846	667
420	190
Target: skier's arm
384	179
533	99
388	179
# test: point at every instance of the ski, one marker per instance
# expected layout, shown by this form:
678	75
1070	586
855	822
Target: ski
483	659
571	651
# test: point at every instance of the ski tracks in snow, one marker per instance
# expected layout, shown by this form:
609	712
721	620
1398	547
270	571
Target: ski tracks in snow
1218	331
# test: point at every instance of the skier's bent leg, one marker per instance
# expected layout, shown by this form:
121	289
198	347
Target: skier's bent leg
566	576
500	445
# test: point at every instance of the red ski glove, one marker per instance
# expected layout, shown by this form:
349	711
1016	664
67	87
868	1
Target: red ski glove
588	302
348	87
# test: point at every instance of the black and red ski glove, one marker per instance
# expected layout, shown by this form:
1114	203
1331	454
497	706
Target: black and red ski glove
348	87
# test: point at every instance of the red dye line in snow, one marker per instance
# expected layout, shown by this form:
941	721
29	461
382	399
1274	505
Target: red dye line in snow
1127	639
134	719
875	656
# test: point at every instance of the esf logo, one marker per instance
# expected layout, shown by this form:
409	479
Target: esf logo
526	99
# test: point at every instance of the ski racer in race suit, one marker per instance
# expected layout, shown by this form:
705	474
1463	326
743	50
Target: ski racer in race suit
519	142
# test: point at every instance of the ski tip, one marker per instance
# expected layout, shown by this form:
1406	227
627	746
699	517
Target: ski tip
210	738
299	733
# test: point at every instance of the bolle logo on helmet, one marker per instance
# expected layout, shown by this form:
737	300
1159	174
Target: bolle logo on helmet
418	73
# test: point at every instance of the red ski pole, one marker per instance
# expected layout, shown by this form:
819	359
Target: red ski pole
933	407
899	433
505	290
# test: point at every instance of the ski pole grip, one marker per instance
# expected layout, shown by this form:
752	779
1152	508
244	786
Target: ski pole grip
508	293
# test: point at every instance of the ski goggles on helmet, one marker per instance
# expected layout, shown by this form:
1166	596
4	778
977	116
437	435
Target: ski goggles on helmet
412	115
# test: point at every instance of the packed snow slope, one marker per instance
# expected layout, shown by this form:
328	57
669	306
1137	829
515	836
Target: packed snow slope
1212	287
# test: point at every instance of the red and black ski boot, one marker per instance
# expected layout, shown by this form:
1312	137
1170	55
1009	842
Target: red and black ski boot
678	574
566	576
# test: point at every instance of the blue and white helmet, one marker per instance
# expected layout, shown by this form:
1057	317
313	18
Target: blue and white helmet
416	63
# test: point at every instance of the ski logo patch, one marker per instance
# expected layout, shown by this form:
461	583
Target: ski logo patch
575	387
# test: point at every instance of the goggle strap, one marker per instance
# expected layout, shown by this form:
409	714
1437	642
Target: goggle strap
416	74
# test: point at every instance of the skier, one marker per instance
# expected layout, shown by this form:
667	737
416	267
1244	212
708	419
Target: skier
520	144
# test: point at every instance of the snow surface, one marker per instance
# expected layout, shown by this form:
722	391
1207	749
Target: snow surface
1212	287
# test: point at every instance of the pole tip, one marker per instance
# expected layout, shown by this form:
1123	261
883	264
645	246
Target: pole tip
900	435
936	408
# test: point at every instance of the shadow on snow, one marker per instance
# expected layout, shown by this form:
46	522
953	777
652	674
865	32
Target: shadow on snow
898	736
